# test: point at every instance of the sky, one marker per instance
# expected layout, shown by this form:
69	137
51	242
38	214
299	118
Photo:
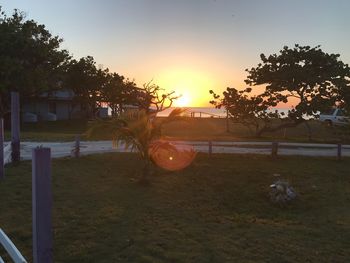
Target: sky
190	46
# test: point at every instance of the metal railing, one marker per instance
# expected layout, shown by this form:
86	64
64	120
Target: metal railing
200	114
11	249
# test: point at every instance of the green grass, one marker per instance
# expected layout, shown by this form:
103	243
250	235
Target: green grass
217	210
51	131
189	129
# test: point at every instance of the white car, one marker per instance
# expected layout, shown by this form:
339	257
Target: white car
50	117
335	117
29	117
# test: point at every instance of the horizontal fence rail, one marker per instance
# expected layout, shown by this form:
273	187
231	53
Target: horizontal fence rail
273	148
201	114
64	149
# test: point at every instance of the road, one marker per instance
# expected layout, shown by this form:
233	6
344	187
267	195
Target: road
63	149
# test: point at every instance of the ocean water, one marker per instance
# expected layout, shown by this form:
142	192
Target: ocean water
208	112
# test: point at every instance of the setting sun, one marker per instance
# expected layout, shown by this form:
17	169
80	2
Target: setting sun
183	101
190	84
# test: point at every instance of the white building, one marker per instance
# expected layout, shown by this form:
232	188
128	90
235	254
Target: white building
56	105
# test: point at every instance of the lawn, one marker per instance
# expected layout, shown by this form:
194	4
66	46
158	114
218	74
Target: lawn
217	210
188	129
51	131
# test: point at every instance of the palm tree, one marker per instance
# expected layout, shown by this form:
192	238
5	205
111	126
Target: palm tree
137	130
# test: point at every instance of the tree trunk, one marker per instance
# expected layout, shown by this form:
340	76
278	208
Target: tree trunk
147	166
309	131
279	127
145	172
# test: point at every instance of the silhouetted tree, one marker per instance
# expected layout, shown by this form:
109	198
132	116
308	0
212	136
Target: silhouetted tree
153	99
313	79
31	60
251	111
87	82
118	92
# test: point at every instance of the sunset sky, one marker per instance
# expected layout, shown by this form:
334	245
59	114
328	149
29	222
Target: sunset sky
190	46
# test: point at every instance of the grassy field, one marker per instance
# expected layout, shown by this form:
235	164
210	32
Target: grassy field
189	129
51	131
217	210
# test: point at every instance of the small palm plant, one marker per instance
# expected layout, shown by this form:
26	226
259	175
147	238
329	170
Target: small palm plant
137	130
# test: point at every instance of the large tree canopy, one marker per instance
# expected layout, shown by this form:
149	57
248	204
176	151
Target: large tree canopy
87	82
118	92
307	78
317	80
251	111
30	58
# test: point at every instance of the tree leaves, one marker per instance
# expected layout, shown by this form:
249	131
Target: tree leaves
30	58
303	72
315	80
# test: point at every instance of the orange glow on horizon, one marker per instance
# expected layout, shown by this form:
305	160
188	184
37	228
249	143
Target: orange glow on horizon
192	85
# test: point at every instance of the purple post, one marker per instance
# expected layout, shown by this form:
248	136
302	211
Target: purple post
42	205
2	172
15	142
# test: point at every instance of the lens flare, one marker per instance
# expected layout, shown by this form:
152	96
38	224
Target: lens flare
170	156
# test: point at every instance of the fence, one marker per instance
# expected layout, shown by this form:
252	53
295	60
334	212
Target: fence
271	148
200	114
41	211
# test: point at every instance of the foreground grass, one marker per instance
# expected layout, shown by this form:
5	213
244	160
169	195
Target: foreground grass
188	129
217	210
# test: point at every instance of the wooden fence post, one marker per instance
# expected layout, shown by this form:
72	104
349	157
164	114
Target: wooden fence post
2	170
339	148
210	148
274	149
42	205
15	120
77	146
